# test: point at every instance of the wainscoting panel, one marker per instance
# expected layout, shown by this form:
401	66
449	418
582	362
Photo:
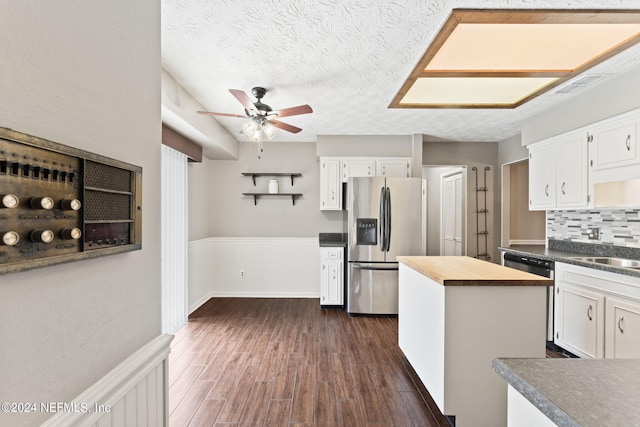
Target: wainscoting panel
273	268
134	393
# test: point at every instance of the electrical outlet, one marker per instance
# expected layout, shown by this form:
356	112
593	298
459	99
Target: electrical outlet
242	274
593	233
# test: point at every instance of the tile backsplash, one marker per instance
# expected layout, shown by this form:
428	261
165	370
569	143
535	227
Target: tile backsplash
618	227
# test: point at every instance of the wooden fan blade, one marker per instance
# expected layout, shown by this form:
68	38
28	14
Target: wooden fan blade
285	126
244	99
294	111
210	113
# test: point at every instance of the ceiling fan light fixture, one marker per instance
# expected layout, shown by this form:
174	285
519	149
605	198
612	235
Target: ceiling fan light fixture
269	130
251	128
261	116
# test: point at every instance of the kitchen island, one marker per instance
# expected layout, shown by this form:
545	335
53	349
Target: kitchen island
455	315
572	392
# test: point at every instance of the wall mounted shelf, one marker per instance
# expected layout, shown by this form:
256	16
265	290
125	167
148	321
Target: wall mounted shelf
258	195
253	175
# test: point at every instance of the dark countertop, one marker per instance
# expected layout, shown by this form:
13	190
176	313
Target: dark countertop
332	240
578	392
559	251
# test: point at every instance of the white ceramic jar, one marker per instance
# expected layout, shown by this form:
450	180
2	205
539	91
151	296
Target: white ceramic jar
273	186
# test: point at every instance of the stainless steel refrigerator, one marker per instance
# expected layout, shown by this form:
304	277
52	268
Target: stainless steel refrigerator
384	221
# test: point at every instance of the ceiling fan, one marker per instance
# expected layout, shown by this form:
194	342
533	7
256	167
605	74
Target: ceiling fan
262	115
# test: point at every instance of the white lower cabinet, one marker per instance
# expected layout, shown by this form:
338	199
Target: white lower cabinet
579	320
597	313
622	319
331	276
522	413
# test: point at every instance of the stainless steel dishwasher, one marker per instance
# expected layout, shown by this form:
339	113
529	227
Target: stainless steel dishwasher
538	266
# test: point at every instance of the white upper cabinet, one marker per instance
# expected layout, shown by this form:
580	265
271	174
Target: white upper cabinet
572	182
358	168
563	169
330	184
559	173
614	154
336	170
393	167
542	176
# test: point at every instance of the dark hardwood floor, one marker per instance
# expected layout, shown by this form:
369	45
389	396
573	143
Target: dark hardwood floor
286	362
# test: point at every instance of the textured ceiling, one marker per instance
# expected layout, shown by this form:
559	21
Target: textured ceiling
345	58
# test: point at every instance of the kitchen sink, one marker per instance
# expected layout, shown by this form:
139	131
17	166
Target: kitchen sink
613	261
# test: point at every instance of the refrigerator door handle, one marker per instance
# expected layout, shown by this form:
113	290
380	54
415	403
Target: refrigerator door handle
388	220
383	225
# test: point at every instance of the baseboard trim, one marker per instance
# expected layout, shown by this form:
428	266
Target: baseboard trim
263	295
196	305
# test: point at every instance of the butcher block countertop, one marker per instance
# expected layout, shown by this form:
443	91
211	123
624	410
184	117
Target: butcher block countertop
467	271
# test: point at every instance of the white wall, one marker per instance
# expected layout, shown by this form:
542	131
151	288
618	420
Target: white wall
199	185
233	215
85	74
365	145
511	150
613	96
273	267
480	155
180	112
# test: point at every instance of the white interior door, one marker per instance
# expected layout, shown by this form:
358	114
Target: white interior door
452	214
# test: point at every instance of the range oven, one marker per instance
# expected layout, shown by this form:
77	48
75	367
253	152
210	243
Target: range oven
538	266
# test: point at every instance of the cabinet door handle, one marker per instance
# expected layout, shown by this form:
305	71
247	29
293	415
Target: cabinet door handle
323	266
620	324
546	190
628	143
333	195
563	186
589	312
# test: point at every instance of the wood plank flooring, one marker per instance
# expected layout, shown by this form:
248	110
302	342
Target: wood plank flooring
285	362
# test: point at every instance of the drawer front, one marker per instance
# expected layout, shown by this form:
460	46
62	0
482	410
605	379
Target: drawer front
332	253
